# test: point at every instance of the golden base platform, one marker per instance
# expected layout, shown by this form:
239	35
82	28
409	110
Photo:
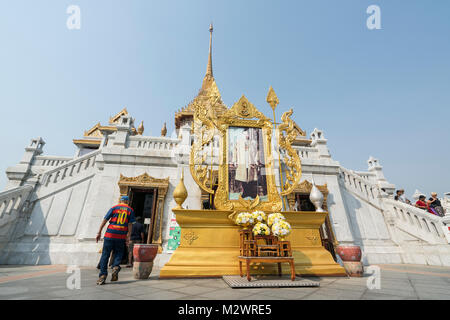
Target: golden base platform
209	246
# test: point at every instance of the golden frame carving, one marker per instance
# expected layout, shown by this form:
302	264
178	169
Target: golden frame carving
244	114
147	181
287	133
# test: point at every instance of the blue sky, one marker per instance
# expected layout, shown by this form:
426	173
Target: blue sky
381	92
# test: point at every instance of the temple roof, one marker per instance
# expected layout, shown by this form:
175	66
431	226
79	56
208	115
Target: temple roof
94	135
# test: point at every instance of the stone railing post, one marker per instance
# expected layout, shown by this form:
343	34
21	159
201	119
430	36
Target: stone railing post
375	167
18	174
123	131
319	142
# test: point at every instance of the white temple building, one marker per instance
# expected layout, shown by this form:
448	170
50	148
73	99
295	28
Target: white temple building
52	206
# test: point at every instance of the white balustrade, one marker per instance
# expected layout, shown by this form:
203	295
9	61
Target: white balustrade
153	143
13	200
307	152
363	188
70	168
50	161
417	221
408	218
370	176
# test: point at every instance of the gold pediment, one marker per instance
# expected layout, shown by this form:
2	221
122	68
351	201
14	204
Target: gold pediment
94	132
244	109
116	118
144	180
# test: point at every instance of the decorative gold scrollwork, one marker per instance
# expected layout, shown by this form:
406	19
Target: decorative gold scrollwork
190	237
287	134
203	136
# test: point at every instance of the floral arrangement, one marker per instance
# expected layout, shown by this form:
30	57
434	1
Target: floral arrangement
281	228
245	219
261	229
259	216
274	217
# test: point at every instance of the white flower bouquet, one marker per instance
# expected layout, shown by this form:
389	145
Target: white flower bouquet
281	229
245	219
274	217
259	216
261	229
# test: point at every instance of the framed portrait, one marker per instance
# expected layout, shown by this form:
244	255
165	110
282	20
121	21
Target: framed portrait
246	177
246	164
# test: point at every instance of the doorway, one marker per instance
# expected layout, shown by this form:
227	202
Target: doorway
147	195
143	202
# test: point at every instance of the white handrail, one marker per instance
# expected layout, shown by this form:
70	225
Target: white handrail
417	221
360	186
70	168
13	199
153	143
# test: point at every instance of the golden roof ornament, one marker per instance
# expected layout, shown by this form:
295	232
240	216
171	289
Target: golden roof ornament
272	98
164	130
140	129
180	193
209	70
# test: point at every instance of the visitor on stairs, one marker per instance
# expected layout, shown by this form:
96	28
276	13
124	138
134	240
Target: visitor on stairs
421	203
435	205
401	197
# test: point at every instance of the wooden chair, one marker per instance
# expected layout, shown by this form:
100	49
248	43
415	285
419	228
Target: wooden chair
250	248
269	248
285	248
244	235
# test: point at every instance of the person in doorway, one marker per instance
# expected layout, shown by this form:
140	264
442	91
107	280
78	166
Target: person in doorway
421	203
137	236
435	205
121	218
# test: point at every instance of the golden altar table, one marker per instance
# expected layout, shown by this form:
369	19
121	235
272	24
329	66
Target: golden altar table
209	246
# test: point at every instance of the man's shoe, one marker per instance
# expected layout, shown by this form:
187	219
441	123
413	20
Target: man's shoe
115	274
101	280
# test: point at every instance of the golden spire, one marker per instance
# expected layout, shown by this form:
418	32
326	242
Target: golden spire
164	130
140	129
209	70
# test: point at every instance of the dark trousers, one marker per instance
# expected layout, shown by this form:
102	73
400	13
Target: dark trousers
116	245
249	189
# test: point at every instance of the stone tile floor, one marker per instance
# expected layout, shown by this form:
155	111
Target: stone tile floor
398	282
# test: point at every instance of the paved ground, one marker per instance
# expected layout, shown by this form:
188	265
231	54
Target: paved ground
49	282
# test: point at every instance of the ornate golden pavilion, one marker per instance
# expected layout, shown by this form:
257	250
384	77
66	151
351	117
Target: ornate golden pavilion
209	238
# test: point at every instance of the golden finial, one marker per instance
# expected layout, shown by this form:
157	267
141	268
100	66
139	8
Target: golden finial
180	193
209	70
272	98
140	129
164	130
